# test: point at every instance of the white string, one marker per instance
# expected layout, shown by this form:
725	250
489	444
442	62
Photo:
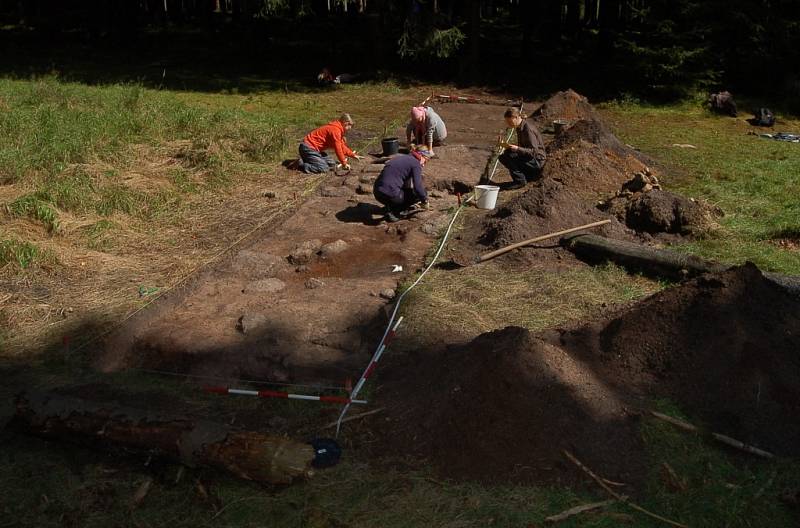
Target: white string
354	393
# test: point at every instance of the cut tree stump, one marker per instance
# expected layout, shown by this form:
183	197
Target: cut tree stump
249	455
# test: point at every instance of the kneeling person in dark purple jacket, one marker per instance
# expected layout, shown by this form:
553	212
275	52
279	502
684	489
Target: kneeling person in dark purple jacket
400	186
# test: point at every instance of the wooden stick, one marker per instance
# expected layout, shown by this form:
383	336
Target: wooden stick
742	446
677	422
571	457
355	417
727	440
579	509
621	498
501	251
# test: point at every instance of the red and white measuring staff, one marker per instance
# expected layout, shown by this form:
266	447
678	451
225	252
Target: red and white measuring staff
387	338
280	394
392	326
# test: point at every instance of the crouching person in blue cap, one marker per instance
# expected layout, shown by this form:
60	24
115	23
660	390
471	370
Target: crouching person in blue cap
399	186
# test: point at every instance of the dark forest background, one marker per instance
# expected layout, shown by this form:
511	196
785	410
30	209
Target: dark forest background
653	49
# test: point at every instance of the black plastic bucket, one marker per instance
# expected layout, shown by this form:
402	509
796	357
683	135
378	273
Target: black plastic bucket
390	146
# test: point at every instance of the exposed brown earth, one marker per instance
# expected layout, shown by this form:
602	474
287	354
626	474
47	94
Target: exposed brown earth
504	406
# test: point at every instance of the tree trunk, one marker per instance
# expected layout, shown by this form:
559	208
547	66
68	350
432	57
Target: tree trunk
249	455
609	23
657	262
473	57
573	17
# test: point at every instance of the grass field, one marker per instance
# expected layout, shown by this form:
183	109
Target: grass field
110	191
755	181
112	194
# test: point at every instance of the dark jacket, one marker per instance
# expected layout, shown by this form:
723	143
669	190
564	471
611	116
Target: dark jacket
400	173
530	141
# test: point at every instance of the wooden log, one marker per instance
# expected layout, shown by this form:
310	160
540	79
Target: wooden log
658	262
194	442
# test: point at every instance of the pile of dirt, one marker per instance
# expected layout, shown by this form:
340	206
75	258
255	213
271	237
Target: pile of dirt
568	105
551	205
590	170
643	206
586	163
591	131
723	346
502	408
659	211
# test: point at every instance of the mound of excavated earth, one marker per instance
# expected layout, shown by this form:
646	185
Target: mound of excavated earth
547	207
502	408
587	163
564	105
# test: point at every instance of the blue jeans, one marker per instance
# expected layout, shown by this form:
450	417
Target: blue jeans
522	168
313	161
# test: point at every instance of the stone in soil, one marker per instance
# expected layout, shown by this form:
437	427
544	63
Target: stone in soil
270	285
305	252
333	248
387	294
434	226
249	323
336	192
314	283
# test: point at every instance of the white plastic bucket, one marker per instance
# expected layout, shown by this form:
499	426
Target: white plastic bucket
486	196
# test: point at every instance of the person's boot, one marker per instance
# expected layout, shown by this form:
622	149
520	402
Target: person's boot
391	217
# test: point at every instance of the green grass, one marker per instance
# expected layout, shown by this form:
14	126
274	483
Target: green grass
21	254
722	488
755	181
52	124
34	207
60	131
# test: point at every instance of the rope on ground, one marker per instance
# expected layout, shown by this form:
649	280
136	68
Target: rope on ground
197	268
389	328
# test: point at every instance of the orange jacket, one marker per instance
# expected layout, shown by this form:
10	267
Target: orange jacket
330	136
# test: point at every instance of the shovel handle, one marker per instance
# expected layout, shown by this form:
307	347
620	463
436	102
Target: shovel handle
503	250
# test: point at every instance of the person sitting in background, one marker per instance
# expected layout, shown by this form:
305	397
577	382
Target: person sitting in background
326	77
426	127
399	185
722	103
314	159
525	159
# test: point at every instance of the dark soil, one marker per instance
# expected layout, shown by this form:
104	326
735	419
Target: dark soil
546	207
567	105
586	163
660	211
503	407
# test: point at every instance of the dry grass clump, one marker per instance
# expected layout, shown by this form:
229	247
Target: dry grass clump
476	299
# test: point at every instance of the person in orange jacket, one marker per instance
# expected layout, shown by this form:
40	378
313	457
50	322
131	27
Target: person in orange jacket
314	159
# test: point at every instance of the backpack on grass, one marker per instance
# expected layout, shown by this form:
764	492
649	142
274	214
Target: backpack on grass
764	117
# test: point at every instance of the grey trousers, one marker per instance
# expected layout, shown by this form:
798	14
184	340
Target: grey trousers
313	161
